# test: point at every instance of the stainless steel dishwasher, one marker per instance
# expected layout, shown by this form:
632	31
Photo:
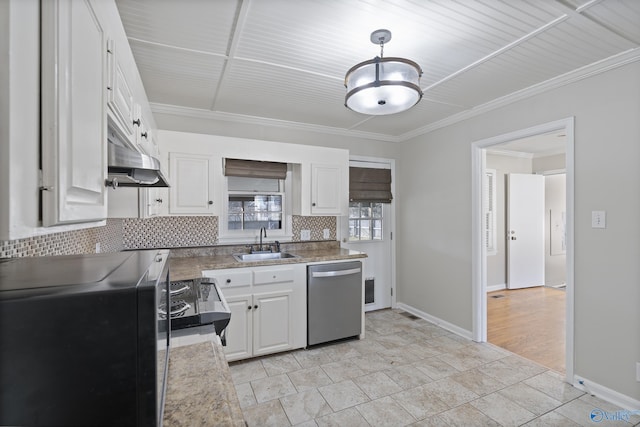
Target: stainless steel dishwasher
334	301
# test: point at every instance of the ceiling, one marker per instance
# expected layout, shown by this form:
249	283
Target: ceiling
282	62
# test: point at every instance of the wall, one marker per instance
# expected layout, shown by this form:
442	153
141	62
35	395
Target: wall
356	146
434	236
555	271
503	164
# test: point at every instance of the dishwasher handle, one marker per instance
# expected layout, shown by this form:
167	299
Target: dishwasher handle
335	273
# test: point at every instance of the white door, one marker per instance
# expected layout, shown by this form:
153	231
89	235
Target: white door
525	231
191	190
378	264
325	189
272	322
74	120
238	332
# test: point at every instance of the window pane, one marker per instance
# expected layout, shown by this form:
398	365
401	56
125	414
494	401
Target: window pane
353	230
377	210
377	230
235	206
365	221
365	229
275	204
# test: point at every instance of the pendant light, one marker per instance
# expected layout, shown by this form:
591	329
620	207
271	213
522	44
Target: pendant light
381	85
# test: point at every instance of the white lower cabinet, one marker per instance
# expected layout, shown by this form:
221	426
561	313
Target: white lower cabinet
272	322
268	309
240	328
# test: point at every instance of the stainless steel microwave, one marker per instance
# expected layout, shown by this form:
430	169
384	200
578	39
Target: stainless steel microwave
83	339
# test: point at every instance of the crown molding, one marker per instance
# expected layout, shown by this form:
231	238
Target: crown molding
263	121
615	61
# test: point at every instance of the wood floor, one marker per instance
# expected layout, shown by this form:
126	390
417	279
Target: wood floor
529	322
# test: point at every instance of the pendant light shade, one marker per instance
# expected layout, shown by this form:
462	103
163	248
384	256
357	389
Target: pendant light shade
381	85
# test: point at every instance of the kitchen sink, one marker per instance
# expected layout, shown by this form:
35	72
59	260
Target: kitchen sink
264	256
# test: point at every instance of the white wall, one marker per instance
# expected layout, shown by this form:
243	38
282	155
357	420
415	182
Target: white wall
434	217
555	270
356	146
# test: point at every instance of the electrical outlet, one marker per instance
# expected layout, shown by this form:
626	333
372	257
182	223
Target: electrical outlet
97	247
598	219
326	234
305	234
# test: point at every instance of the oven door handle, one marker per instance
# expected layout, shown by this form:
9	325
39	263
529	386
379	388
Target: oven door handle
335	273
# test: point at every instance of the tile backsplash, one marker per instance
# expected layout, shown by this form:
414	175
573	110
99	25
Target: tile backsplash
138	233
170	232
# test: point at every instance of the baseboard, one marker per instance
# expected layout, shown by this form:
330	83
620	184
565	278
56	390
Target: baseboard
605	393
493	288
436	321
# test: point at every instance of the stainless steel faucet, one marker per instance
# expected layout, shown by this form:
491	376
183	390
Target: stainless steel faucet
265	235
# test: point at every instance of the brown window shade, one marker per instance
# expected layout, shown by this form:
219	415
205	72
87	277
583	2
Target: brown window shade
370	185
255	169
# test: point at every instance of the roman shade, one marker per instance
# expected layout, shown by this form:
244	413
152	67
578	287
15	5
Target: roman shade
255	169
370	185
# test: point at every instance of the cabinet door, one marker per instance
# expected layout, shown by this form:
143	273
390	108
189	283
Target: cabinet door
239	330
272	322
325	189
191	190
74	151
119	94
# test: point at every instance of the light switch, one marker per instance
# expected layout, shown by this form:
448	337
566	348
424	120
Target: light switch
598	219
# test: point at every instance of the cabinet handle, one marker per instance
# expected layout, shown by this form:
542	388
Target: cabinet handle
136	122
255	307
249	308
143	135
313	204
210	202
228	280
159	200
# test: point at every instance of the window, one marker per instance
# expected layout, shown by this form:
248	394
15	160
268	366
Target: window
365	221
489	211
254	203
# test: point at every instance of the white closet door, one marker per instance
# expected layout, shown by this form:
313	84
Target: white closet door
525	231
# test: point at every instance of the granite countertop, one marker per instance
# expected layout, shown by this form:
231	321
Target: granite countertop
200	391
186	264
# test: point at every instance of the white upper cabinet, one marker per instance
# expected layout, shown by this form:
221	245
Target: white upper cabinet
119	94
192	179
326	194
74	120
322	188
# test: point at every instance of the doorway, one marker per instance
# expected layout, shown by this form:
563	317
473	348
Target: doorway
479	261
378	244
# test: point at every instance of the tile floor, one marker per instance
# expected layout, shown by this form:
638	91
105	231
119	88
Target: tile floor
410	372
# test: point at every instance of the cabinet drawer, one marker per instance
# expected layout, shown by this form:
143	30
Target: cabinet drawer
231	279
274	275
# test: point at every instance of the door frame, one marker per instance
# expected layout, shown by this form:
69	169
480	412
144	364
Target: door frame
392	220
478	255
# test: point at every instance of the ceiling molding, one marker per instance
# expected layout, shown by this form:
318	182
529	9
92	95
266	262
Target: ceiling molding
262	121
624	58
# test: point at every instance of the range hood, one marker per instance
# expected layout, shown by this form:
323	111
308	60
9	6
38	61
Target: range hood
129	168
